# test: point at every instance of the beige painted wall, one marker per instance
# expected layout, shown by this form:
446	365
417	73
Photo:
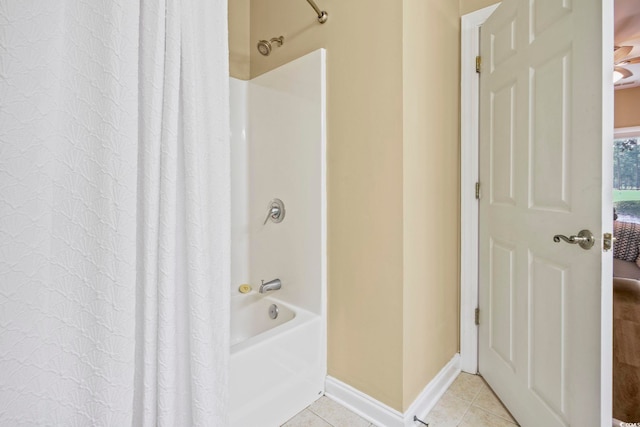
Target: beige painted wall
627	107
431	197
239	44
468	6
393	155
392	315
363	39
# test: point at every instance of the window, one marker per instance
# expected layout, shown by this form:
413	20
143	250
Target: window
626	175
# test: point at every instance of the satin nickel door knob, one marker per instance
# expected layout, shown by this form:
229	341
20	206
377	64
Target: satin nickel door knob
584	239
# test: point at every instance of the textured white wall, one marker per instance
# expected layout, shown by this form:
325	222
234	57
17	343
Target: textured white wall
239	118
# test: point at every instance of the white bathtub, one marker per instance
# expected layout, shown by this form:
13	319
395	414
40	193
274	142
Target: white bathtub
250	318
277	366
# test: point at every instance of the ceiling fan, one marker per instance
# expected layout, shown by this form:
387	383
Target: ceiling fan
620	59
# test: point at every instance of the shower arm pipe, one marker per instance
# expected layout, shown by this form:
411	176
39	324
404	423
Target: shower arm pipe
322	15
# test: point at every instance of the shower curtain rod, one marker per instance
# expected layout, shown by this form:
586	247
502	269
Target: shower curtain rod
322	15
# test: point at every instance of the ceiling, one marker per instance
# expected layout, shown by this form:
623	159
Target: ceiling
627	33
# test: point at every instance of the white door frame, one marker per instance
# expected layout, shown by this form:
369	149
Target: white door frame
469	128
469	175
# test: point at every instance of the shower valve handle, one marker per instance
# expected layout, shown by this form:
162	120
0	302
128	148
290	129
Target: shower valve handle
275	211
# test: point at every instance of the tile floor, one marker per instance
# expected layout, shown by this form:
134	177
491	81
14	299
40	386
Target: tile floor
468	402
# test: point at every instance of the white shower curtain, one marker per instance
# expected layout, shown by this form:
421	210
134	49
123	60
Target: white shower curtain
114	212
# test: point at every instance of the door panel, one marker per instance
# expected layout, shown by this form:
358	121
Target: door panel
502	145
548	12
547	308
543	325
502	280
550	105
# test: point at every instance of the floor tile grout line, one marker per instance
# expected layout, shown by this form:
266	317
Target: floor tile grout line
489	411
478	392
470	401
482	384
463	415
343	407
485	385
320	416
513	422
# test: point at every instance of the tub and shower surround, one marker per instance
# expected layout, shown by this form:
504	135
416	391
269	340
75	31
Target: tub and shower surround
278	151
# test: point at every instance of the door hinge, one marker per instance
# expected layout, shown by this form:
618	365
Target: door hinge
478	63
477	314
478	190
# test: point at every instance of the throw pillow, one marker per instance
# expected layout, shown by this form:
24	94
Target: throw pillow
627	236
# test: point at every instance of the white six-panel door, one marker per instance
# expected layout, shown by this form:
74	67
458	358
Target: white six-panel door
545	136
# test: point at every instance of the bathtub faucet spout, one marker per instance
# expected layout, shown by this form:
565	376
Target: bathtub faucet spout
271	285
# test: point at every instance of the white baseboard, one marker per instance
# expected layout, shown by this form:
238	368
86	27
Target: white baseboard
364	405
382	415
433	391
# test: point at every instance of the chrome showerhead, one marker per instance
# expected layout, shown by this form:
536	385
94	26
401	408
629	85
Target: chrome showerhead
265	46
